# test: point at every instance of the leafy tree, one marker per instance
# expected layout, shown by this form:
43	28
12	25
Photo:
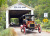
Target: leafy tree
3	5
3	2
41	6
11	2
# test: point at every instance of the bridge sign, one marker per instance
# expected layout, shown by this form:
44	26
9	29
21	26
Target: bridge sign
45	14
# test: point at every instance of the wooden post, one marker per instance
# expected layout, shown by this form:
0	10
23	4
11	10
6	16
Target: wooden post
7	18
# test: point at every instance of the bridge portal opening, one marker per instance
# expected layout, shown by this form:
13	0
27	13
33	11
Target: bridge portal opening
17	15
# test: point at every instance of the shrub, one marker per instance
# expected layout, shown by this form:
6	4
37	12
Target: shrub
38	21
8	32
1	28
43	25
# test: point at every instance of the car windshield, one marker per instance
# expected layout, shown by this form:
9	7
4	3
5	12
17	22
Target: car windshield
29	18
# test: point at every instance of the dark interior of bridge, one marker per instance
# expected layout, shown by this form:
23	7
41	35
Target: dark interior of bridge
17	14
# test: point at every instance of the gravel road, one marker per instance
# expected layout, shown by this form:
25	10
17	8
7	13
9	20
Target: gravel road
30	33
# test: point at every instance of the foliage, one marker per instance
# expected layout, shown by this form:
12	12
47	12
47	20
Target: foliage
47	30
3	5
3	2
8	32
15	20
11	2
3	21
43	25
1	28
38	21
41	6
46	24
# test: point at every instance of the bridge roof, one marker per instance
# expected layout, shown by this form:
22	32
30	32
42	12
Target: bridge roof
19	9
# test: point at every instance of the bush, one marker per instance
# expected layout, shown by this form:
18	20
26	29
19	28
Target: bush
43	25
8	32
38	21
49	23
1	28
5	32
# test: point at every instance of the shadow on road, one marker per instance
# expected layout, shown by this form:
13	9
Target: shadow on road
29	32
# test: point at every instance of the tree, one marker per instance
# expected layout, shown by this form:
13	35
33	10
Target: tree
11	2
41	6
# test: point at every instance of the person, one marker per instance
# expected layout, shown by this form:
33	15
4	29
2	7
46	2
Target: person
24	22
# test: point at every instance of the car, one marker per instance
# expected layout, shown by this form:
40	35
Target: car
29	24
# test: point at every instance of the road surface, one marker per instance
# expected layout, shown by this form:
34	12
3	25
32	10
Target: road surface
30	33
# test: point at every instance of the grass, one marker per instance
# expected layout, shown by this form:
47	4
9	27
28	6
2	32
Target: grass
46	30
8	32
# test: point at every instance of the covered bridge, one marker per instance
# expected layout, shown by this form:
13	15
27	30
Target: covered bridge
16	11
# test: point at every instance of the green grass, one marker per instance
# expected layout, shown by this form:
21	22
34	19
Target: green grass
8	32
43	29
5	32
47	30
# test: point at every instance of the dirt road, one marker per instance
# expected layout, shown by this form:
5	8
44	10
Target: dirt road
30	33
